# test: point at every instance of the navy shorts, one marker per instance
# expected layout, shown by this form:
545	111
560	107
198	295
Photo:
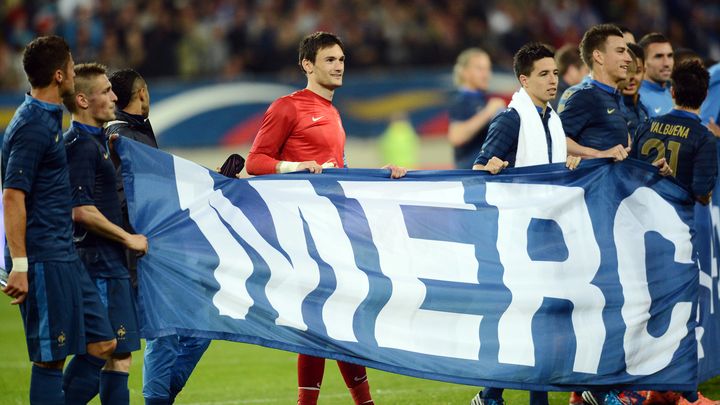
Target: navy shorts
118	296
62	311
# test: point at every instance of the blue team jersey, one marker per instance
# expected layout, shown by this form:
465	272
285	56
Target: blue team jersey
636	113
92	178
594	116
465	104
503	135
656	97
687	145
34	161
565	95
711	106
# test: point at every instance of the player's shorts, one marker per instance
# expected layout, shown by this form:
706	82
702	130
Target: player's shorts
118	296
62	311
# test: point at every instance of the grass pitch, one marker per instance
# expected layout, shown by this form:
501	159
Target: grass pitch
237	373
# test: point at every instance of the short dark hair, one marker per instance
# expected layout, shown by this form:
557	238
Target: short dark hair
568	55
652	38
311	44
595	38
637	51
125	83
83	74
526	56
690	84
42	57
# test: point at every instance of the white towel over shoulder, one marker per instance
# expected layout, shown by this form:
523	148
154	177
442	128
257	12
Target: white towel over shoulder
532	145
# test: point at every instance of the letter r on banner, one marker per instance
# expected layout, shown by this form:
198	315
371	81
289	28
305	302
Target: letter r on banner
530	281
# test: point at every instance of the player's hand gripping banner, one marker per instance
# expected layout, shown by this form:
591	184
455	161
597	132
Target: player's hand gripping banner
538	278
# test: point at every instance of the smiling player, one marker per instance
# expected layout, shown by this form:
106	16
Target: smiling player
303	131
593	116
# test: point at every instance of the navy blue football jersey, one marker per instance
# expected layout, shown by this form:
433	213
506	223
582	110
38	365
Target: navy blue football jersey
687	145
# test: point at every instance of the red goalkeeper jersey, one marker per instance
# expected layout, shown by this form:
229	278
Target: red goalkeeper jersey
299	127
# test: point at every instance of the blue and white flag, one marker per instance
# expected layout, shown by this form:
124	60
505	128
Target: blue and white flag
536	278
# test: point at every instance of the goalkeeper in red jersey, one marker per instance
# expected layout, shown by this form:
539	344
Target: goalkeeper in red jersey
303	131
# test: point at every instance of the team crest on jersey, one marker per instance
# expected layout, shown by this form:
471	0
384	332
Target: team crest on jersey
61	339
121	332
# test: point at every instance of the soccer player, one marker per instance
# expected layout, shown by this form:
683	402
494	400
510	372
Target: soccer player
571	68
471	110
659	62
303	131
99	238
507	144
635	111
680	138
60	307
593	119
169	360
528	133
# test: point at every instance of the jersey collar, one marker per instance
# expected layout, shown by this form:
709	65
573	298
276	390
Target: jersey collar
604	87
87	128
654	86
684	114
42	104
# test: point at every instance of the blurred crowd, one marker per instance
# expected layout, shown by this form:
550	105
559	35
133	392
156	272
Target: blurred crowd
212	39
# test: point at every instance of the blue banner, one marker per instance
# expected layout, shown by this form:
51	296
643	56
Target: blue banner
537	278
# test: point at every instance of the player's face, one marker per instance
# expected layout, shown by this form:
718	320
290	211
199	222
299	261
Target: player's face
101	100
67	86
659	62
635	75
616	58
542	83
328	68
477	72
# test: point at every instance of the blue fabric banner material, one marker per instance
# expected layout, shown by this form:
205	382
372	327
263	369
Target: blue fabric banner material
537	278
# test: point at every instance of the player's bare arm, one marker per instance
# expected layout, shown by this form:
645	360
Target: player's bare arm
94	221
15	218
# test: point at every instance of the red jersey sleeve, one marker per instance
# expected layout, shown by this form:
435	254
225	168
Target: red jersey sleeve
277	124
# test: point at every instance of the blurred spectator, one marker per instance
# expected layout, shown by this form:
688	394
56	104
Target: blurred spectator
226	38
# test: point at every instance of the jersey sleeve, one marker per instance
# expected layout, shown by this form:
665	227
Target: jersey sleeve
705	166
82	166
27	148
276	127
502	137
576	114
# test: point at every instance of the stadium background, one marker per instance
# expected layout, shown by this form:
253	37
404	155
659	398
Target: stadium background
213	66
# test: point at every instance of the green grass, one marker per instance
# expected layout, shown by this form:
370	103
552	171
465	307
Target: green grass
236	373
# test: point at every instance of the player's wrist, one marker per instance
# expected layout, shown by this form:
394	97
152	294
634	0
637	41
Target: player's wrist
20	264
288	167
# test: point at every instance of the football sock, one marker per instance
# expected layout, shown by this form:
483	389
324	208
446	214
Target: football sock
355	377
46	386
114	388
691	396
310	375
81	381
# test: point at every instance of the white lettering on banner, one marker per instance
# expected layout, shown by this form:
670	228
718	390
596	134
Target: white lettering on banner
645	210
401	324
288	287
530	281
196	194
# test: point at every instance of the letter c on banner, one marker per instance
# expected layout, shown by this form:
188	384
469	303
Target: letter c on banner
644	353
